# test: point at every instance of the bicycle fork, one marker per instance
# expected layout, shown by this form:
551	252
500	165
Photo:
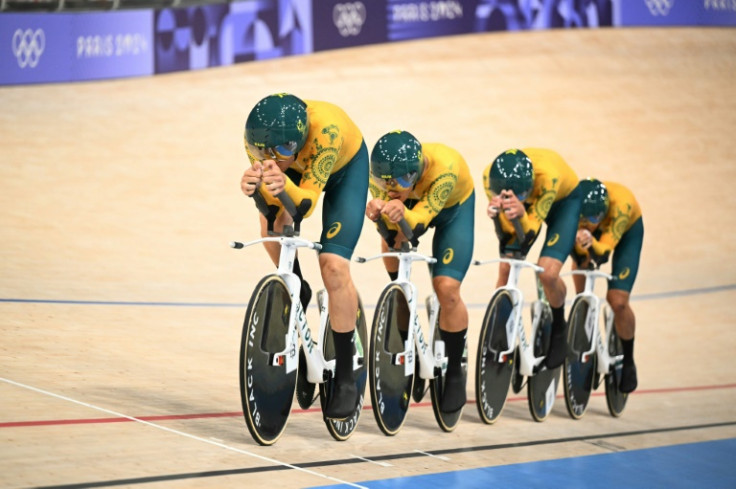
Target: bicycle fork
606	362
428	357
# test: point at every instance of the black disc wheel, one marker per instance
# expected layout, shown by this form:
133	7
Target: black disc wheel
492	371
579	374
447	421
542	386
390	386
342	429
615	399
266	390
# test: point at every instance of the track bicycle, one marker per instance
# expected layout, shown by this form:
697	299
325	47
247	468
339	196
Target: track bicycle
401	358
591	354
279	356
505	356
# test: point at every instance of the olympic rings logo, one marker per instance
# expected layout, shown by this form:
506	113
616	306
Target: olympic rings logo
349	18
660	7
28	46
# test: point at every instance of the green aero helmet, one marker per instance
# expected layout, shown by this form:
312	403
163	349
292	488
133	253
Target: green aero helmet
277	127
397	160
595	200
512	170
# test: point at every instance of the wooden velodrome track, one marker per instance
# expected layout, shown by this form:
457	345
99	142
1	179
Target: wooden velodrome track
122	303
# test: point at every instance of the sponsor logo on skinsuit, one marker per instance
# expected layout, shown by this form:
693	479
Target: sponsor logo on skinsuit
334	230
448	256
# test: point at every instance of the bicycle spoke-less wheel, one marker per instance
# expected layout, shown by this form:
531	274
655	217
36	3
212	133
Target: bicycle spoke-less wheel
390	386
341	429
266	390
542	386
578	375
447	421
615	399
493	374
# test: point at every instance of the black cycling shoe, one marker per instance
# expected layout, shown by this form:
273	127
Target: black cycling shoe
343	401
454	396
557	350
628	378
305	294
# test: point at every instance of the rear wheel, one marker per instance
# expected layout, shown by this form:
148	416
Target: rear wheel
493	373
579	375
615	399
390	387
266	390
342	429
542	386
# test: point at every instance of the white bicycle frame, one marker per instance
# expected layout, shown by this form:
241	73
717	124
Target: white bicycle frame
515	325
298	327
431	356
592	330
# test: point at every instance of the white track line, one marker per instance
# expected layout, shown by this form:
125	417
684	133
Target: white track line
382	464
181	433
441	457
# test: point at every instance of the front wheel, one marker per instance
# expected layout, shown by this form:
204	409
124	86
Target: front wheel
579	375
266	390
390	386
615	399
493	372
342	429
542	386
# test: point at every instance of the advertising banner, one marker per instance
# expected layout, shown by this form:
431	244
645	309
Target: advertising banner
346	24
515	15
406	19
214	35
678	13
718	13
59	47
44	48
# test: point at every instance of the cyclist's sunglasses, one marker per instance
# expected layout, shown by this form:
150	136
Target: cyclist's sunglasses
593	219
397	184
281	152
522	196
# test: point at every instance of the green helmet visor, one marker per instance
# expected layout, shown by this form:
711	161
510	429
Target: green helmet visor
593	219
397	184
522	196
281	152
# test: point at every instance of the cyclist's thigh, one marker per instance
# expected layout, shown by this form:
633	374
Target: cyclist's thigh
562	226
343	208
625	264
453	239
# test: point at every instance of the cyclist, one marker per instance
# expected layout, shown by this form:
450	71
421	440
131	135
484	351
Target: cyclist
305	148
430	185
611	221
536	186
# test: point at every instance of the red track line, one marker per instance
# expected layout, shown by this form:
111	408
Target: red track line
175	417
